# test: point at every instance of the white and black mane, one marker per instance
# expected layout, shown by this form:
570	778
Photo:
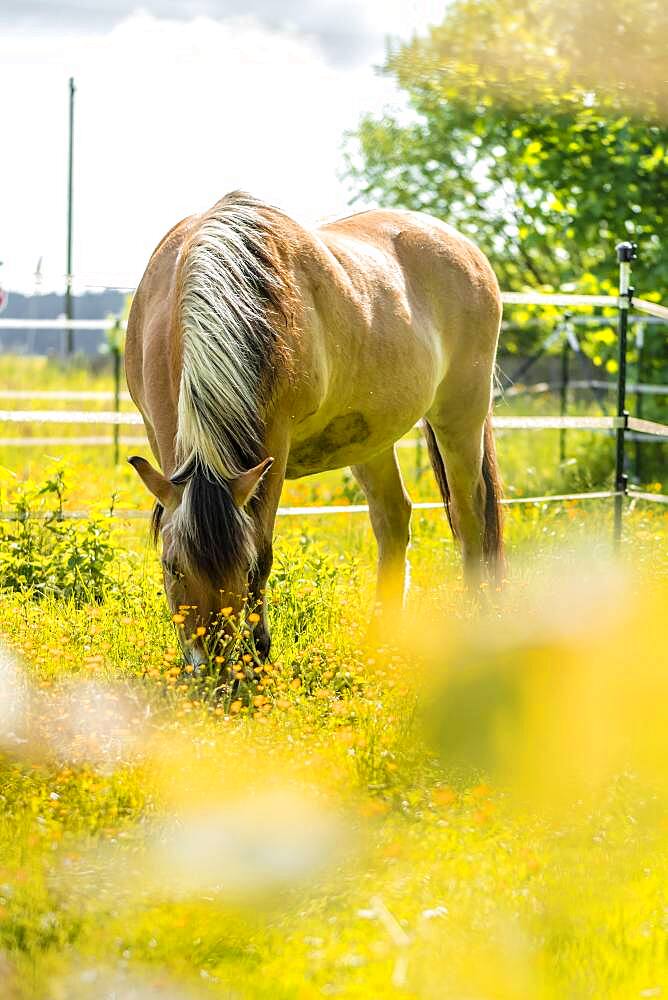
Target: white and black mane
232	305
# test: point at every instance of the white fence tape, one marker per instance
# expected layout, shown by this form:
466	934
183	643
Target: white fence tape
556	299
353	508
362	508
652	497
537	388
75	442
141	442
64	395
647	427
110	417
70	417
520	389
57	324
653	308
555	423
509	298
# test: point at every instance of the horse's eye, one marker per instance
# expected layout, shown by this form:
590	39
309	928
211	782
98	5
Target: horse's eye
171	568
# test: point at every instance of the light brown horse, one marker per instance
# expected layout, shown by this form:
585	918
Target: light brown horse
258	351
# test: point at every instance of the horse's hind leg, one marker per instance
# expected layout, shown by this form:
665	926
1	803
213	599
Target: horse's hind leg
390	514
460	447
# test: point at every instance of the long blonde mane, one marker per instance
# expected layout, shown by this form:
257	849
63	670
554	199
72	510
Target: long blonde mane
232	295
233	302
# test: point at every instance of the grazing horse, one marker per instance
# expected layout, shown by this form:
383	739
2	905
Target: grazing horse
258	350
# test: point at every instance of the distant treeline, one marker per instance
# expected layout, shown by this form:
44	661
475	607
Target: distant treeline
90	305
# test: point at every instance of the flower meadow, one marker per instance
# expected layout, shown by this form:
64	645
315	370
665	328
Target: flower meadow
474	804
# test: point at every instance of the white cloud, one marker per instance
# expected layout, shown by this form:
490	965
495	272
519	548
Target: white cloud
347	31
169	116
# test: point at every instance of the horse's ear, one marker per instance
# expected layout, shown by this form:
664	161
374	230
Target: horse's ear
154	481
244	486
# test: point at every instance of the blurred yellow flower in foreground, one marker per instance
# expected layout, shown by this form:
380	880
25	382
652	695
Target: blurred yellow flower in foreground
556	698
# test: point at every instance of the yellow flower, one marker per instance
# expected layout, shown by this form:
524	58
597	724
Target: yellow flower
200	630
227	612
178	619
254	618
445	796
235	707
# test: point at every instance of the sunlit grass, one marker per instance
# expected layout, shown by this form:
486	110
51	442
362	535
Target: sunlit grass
488	900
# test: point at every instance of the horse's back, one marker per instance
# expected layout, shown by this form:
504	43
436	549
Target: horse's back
399	300
389	301
413	282
433	256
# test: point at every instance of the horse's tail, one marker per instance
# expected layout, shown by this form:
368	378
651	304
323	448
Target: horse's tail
493	537
493	530
438	466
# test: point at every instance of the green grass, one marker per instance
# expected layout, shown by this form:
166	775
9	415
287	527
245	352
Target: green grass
472	806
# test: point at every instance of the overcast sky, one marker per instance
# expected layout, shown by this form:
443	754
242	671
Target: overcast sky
177	103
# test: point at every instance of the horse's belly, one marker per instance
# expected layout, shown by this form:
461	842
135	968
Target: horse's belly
378	380
350	438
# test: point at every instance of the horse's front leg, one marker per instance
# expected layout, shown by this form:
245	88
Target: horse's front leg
258	597
390	513
264	510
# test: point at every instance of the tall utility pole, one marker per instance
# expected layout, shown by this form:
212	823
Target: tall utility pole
69	340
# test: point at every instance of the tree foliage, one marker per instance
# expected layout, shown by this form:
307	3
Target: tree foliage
539	129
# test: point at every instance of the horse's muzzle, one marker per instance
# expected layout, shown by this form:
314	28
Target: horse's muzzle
197	657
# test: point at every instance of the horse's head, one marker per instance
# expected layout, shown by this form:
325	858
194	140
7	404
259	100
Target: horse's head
208	551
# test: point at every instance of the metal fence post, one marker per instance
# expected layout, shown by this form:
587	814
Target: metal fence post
640	374
116	340
626	252
563	391
69	332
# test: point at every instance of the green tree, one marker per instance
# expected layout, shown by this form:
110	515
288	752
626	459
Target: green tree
539	129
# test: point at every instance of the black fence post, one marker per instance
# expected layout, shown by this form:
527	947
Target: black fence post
640	374
116	341
626	252
563	390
